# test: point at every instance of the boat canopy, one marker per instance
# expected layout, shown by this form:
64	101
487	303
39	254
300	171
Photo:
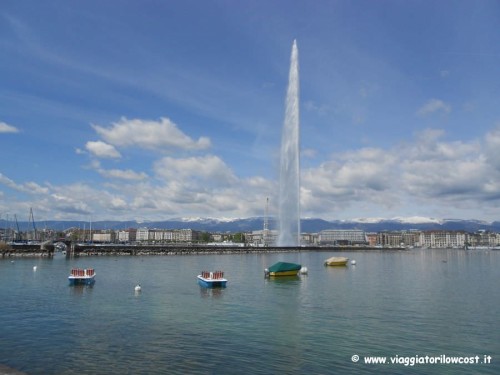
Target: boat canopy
284	266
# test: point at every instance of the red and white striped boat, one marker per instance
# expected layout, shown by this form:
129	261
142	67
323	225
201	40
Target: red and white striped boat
80	276
212	279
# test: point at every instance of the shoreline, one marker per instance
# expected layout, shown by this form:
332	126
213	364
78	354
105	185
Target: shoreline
34	251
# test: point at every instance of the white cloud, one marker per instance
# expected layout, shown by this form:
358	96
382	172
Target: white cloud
6	128
69	202
422	177
83	199
209	169
102	150
29	187
367	174
433	106
127	174
120	174
117	203
426	174
4	180
162	134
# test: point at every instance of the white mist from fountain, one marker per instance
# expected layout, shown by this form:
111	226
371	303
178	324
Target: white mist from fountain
289	191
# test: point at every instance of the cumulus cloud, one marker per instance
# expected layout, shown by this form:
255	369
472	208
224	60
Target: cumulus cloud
71	202
6	128
162	134
433	106
492	145
209	169
4	180
84	199
29	187
121	174
428	172
101	149
354	176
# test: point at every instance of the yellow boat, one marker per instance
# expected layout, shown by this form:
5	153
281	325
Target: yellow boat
336	261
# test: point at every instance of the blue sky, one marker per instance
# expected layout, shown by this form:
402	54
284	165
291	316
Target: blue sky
151	110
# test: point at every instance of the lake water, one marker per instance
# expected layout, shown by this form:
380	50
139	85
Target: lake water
400	304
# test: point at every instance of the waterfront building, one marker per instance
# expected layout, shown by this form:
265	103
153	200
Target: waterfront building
442	239
390	239
262	237
217	237
308	238
398	239
483	238
142	235
342	237
185	235
127	235
123	236
103	236
167	235
157	235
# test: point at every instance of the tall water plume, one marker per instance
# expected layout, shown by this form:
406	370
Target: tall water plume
289	193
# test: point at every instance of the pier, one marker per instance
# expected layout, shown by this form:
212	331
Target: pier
79	250
27	250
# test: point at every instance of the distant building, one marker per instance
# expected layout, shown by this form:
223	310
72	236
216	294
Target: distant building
398	239
185	235
483	238
103	236
308	238
442	239
342	237
142	235
127	235
262	237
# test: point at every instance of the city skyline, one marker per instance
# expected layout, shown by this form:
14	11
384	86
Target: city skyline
149	110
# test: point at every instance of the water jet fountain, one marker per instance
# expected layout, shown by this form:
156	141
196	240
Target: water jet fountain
289	191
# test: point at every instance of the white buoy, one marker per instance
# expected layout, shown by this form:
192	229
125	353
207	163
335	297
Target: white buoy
138	288
303	271
34	268
353	262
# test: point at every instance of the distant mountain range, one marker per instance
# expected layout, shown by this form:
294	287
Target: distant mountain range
308	225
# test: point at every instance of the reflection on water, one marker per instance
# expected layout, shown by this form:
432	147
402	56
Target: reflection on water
391	303
283	279
216	292
80	289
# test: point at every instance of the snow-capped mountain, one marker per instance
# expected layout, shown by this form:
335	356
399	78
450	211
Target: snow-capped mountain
309	225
